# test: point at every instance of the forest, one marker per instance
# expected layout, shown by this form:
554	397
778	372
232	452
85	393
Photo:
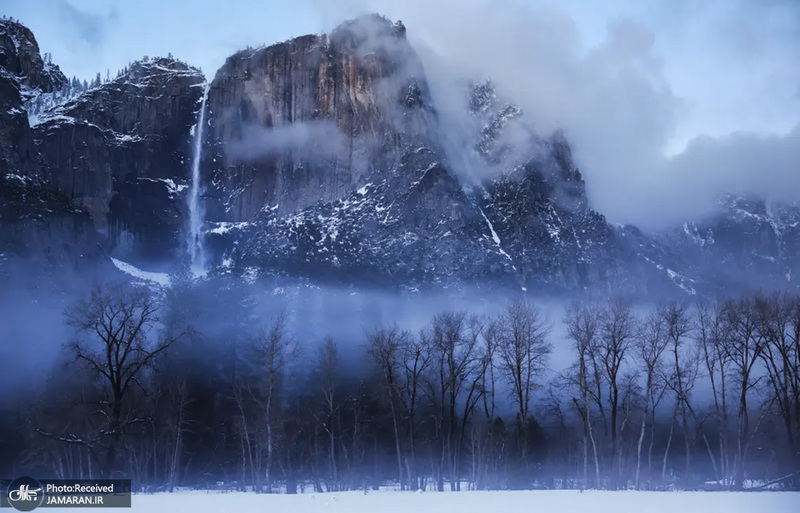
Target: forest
189	387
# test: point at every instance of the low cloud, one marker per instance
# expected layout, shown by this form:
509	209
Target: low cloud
318	139
658	133
87	26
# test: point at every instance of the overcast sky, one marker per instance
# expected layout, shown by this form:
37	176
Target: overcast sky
667	102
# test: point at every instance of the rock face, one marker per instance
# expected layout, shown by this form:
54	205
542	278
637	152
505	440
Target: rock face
41	231
414	221
407	227
310	119
749	242
20	57
17	147
100	172
121	151
43	234
324	160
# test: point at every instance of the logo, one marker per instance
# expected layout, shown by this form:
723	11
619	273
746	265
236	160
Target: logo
25	494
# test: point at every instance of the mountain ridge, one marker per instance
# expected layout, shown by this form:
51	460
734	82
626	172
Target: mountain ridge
324	160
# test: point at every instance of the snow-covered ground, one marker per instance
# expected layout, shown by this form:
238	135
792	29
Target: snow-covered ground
160	278
550	501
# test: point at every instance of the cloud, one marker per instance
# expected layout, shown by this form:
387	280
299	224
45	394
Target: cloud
767	166
643	89
87	26
658	132
318	139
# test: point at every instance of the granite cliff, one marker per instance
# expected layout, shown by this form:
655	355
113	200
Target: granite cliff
324	160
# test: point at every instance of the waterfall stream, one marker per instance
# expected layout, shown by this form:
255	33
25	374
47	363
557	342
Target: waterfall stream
195	236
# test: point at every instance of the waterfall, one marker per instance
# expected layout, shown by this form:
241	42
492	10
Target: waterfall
195	236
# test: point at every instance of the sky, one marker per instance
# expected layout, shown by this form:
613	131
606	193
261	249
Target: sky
668	103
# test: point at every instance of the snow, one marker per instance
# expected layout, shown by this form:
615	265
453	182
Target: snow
36	120
422	176
692	234
495	237
546	501
553	229
172	187
681	281
13	176
250	275
160	278
126	138
765	257
658	266
224	227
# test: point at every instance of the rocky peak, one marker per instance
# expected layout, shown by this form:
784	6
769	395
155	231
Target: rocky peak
376	36
17	151
747	242
19	55
369	26
324	160
141	101
42	232
515	153
310	119
122	151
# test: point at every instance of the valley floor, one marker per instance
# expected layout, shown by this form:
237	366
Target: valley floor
546	501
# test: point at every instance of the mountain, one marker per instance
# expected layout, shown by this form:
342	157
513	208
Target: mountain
42	232
120	151
324	160
748	242
20	57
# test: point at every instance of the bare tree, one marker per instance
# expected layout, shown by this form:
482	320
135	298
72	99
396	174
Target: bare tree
274	351
454	369
117	339
524	350
242	392
710	335
777	317
430	408
743	345
383	347
475	333
326	368
415	355
617	328
486	444
583	325
684	370
179	402
651	342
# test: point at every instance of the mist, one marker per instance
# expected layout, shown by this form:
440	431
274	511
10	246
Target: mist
317	139
34	330
668	106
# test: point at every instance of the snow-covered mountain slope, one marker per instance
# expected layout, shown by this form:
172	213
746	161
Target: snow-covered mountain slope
413	227
748	241
325	159
313	119
121	150
20	56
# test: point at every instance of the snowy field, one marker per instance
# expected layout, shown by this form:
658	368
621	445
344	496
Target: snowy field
549	501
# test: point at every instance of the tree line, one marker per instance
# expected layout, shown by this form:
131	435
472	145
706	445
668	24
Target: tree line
192	388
